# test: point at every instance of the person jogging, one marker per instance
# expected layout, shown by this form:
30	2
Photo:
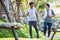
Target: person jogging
48	14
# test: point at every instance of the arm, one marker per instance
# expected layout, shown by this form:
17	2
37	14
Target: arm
37	17
27	13
42	15
53	14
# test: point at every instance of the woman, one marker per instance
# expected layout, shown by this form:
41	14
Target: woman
48	14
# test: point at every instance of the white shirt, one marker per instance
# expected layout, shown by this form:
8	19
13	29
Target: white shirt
32	14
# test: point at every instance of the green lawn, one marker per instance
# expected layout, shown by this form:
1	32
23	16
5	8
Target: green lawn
26	39
23	33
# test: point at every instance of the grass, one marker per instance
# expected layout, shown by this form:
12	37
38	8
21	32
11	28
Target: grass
22	33
27	39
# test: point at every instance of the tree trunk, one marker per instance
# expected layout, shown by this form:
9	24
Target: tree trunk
5	9
18	13
36	3
0	11
18	9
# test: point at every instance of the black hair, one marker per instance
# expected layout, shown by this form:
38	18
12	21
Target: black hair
31	3
48	5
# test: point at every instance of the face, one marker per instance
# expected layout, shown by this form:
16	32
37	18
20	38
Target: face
47	7
31	5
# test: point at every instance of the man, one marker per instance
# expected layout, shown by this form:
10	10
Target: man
48	14
32	18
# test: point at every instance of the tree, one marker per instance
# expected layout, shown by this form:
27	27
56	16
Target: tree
41	5
5	9
18	2
0	11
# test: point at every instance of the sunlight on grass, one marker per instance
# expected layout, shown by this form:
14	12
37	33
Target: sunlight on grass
26	39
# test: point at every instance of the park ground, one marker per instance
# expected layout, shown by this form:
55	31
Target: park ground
28	39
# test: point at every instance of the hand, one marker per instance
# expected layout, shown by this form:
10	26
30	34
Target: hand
27	14
50	16
24	15
37	22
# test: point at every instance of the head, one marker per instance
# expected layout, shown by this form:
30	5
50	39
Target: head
47	6
31	4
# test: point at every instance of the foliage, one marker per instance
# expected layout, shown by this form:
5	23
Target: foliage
2	20
41	6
